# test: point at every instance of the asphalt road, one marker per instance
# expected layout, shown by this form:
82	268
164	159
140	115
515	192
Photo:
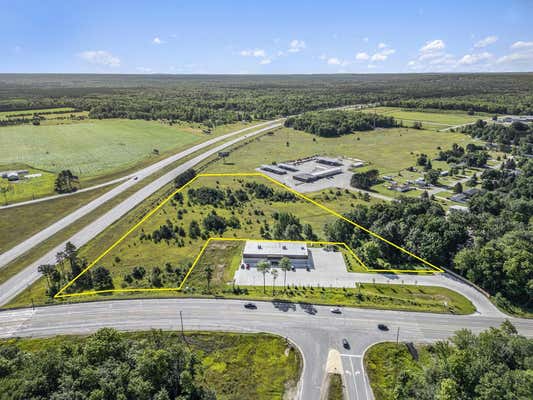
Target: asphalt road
313	329
17	283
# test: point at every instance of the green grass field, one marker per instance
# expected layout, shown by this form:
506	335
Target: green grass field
433	120
19	223
95	150
90	148
388	150
236	366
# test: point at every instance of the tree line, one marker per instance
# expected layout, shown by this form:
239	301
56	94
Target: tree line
104	365
336	123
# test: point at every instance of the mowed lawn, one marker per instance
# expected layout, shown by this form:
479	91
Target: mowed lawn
91	148
388	150
429	119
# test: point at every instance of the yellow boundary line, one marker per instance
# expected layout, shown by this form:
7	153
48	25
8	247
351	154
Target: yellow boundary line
60	294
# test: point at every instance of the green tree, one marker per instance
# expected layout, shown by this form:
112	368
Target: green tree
274	274
285	265
263	266
208	272
66	182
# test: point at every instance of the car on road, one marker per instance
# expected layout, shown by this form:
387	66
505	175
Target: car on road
336	310
250	306
135	178
345	343
383	327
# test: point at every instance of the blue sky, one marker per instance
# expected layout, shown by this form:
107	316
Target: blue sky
265	36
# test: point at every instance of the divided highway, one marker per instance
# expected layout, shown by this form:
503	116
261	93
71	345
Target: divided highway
313	329
17	283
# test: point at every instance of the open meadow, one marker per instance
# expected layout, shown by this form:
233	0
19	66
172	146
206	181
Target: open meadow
432	120
94	150
388	150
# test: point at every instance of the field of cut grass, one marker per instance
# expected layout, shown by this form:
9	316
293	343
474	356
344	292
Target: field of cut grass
95	150
19	223
434	120
388	150
236	366
92	147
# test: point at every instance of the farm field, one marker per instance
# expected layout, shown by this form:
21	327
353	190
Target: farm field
95	150
433	120
388	150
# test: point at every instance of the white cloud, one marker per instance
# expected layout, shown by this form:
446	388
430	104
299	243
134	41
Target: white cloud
362	56
383	54
253	53
334	61
265	61
296	46
100	57
517	58
157	40
521	45
145	70
378	57
433	46
322	56
470	59
486	41
365	39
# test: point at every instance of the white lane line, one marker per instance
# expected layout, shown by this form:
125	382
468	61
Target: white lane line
354	381
351	355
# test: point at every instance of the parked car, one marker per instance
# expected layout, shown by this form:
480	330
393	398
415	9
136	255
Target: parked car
345	343
383	327
336	310
250	306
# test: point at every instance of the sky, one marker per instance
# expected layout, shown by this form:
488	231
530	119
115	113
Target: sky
265	37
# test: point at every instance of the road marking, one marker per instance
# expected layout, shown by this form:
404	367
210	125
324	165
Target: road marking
351	355
354	381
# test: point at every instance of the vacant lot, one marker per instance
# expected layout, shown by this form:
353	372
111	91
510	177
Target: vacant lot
430	120
90	148
388	150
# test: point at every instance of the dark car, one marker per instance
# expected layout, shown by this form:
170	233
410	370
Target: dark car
345	343
336	310
250	306
383	327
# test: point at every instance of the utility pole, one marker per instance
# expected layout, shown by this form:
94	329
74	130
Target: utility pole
181	319
397	335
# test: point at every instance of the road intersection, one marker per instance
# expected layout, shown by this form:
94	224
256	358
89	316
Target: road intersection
313	329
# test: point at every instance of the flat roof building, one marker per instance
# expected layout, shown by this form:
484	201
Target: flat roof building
274	169
288	167
328	161
255	251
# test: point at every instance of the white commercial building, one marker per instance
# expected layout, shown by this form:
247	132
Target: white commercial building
255	251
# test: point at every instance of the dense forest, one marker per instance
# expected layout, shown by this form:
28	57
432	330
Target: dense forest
222	99
335	122
492	245
496	364
105	365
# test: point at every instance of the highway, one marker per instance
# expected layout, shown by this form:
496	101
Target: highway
313	329
17	283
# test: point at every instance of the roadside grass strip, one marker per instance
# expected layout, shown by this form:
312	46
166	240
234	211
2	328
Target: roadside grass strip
432	268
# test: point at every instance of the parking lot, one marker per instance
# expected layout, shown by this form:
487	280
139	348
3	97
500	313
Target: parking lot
311	166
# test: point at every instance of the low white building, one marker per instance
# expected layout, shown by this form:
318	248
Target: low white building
255	251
